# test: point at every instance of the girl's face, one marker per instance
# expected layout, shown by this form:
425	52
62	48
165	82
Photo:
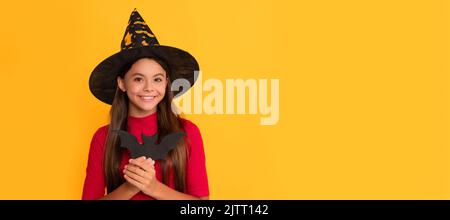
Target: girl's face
145	84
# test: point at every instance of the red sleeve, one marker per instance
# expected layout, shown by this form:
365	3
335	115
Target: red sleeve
196	177
94	183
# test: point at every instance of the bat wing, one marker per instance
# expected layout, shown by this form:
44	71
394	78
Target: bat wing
130	142
169	142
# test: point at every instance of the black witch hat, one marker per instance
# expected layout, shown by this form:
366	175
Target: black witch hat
139	42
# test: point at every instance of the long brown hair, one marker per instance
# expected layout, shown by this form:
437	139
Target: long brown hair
168	122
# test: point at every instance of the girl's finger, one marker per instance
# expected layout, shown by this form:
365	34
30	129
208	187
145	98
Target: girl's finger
135	169
137	177
139	159
137	162
145	165
133	182
149	160
148	167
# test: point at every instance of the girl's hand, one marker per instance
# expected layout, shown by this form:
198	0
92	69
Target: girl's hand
130	186
140	172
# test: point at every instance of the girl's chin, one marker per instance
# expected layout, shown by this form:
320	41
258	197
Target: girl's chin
145	107
146	103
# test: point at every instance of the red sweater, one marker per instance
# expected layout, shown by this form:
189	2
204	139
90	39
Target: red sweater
196	178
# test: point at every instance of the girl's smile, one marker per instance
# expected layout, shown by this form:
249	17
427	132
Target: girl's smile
147	98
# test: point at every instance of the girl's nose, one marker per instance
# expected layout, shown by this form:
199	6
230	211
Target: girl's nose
148	87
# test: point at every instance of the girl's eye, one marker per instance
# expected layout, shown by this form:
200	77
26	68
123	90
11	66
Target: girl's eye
158	79
138	79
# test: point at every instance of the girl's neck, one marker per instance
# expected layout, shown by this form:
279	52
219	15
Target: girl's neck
141	114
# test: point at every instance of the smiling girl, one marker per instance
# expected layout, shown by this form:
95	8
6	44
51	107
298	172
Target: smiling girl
136	82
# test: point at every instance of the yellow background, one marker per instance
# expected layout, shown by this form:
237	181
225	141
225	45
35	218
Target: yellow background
364	94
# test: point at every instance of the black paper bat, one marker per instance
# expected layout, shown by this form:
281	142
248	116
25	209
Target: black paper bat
149	148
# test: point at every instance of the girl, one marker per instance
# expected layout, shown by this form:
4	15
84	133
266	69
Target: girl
136	82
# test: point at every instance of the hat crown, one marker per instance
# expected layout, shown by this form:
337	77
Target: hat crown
137	33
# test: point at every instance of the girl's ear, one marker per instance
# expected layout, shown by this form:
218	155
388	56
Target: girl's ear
121	84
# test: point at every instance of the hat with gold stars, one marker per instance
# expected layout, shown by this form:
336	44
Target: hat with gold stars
140	42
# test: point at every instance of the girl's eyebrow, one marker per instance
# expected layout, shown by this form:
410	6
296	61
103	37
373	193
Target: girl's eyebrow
140	74
158	74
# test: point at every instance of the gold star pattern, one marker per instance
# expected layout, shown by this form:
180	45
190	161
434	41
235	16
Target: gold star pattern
128	39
